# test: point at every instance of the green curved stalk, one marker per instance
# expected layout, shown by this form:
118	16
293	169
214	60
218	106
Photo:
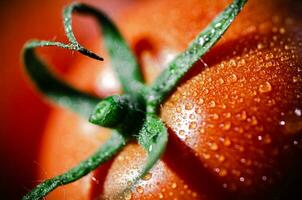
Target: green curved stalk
171	76
153	137
52	87
118	112
110	112
123	60
110	148
148	135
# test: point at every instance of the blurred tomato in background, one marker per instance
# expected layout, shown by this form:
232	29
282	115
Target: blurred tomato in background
22	111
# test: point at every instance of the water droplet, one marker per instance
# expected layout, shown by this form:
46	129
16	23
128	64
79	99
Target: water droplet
147	177
212	104
239	147
282	30
223	172
201	41
215	116
192	116
220	158
260	46
268	64
298	112
198	110
140	189
233	62
267	139
223	106
206	156
254	121
174	185
129	183
217	170
192	125
200	101
282	123
226	126
127	195
242	116
257	68
227	142
95	180
275	37
213	146
242	62
241	179
161	196
217	25
292	122
239	129
243	160
189	106
227	115
265	87
221	81
232	78
269	56
181	132
295	79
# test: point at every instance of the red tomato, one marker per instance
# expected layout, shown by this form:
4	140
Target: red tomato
234	123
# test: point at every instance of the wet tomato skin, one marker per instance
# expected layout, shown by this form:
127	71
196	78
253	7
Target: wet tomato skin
234	121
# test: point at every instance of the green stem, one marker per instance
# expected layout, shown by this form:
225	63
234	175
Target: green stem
110	112
123	113
123	60
153	136
55	89
172	75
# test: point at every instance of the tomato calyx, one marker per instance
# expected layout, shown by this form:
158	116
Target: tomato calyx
120	112
132	115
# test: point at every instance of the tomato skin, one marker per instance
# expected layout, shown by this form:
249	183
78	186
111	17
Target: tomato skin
223	121
234	123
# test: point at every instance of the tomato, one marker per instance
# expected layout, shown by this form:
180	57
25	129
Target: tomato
235	121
